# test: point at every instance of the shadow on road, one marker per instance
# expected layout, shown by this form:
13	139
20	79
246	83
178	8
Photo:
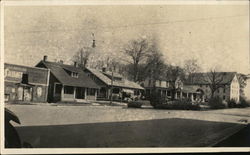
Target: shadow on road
149	133
240	139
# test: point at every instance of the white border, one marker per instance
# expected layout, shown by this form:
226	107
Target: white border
103	150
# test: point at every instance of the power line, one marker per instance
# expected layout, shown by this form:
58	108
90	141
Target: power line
134	25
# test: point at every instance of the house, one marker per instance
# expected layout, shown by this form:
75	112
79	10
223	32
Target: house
228	82
25	84
247	88
171	88
113	83
68	82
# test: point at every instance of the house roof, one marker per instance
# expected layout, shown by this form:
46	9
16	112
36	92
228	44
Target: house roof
190	89
124	83
203	78
58	70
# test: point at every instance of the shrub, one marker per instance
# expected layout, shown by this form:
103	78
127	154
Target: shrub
184	104
134	104
156	99
216	103
243	103
232	103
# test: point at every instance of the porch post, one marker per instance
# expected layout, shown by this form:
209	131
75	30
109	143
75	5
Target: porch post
85	93
181	95
96	93
74	92
192	97
62	92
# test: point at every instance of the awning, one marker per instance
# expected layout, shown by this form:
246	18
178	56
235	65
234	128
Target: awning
130	91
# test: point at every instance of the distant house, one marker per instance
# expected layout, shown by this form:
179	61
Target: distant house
246	89
230	88
107	80
25	84
68	82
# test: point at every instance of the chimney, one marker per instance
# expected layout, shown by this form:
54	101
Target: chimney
45	58
93	44
75	64
104	69
61	61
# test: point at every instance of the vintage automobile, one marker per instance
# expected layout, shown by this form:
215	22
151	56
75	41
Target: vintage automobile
12	139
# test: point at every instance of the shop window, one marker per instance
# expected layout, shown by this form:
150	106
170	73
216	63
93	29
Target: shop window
68	90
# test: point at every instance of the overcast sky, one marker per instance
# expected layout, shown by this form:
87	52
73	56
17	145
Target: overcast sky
218	36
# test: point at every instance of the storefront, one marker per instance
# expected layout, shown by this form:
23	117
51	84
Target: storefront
25	84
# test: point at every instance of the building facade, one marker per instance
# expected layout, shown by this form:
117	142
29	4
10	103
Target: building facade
68	83
25	84
115	84
229	85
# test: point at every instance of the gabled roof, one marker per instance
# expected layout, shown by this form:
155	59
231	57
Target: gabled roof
58	70
203	78
124	83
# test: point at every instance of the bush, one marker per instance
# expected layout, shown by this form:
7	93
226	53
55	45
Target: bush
232	103
134	104
216	103
243	103
156	99
184	104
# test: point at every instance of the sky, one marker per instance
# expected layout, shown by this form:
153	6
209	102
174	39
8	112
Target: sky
215	35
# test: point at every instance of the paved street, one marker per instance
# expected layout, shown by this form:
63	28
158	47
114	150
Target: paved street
118	126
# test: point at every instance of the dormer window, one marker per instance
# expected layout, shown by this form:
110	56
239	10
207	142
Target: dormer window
74	74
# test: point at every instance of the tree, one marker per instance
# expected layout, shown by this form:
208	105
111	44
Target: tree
137	51
174	75
191	66
82	56
215	80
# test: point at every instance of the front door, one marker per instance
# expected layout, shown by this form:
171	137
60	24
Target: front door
80	93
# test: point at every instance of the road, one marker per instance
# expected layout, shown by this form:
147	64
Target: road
115	126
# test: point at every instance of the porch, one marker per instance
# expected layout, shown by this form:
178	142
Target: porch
72	93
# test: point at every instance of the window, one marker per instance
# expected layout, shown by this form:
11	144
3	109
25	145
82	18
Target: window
149	82
224	90
168	93
91	91
68	90
74	74
218	90
224	97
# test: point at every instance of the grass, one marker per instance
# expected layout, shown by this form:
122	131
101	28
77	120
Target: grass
148	133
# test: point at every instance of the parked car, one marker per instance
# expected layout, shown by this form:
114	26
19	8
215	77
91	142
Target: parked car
11	137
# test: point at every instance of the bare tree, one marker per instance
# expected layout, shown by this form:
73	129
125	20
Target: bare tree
82	56
191	66
215	80
137	51
174	75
